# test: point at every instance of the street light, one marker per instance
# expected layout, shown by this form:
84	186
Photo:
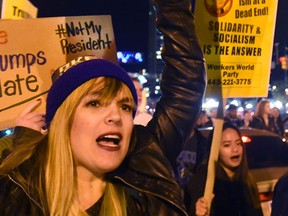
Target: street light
283	60
284	65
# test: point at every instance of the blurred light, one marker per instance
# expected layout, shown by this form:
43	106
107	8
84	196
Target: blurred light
274	87
278	104
158	57
157	87
249	106
129	57
151	110
8	132
240	109
283	60
246	139
138	56
142	79
235	102
210	103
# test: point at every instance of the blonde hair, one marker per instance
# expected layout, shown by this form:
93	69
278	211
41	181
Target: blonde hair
61	180
260	108
52	173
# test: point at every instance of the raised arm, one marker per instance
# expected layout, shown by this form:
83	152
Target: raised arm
184	77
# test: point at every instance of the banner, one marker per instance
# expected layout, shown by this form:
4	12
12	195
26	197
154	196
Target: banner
30	49
17	9
237	40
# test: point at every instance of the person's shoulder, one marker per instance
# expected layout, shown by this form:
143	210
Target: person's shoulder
281	186
283	180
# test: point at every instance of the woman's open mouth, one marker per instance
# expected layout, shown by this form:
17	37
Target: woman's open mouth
109	142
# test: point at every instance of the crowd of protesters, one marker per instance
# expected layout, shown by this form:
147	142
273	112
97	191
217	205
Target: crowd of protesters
264	117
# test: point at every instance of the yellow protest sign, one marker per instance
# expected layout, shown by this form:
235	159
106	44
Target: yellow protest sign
30	49
18	9
237	40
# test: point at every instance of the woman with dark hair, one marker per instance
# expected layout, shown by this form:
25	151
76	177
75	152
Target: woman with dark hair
235	191
247	119
279	126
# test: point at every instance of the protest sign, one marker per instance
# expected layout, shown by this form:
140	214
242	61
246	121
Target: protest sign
237	40
17	9
33	48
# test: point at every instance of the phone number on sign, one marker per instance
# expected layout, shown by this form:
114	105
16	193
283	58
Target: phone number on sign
229	82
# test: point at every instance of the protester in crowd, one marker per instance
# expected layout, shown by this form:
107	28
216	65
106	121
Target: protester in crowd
141	117
194	153
204	120
279	126
235	191
231	115
262	118
280	197
94	160
247	119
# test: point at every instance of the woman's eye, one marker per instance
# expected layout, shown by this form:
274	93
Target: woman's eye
94	103
226	144
126	107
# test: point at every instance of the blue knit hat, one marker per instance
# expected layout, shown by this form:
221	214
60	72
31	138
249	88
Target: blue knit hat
73	74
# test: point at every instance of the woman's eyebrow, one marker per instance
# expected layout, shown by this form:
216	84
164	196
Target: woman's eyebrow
125	99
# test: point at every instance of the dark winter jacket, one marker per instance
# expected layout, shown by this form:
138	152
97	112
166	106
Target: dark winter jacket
229	196
280	197
146	170
258	122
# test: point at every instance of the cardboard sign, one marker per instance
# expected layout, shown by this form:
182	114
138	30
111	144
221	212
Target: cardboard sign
17	9
237	40
30	49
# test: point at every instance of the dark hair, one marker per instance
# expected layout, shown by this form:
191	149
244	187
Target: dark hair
242	174
232	107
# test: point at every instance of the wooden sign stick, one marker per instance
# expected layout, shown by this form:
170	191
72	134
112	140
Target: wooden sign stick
214	152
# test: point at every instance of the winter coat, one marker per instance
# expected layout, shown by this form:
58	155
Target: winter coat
229	194
280	197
